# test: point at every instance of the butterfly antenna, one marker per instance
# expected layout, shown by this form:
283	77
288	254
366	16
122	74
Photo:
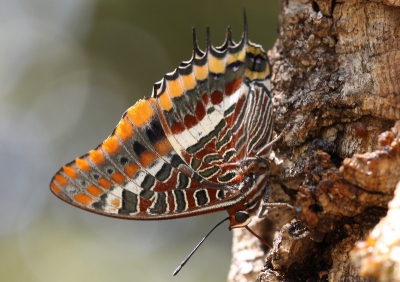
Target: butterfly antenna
258	237
195	248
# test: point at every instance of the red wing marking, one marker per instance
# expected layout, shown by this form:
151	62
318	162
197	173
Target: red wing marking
217	97
177	128
231	87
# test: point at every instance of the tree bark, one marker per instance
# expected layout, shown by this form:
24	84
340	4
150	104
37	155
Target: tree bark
336	81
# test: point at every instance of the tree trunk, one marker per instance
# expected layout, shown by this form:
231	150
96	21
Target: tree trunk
336	79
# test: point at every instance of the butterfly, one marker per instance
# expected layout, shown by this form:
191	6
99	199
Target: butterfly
198	145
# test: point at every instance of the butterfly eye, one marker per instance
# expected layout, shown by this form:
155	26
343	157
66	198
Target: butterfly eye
241	216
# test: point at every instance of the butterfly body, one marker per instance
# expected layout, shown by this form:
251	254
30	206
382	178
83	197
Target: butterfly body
196	146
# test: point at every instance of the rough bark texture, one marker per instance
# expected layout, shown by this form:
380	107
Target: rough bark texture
378	256
336	67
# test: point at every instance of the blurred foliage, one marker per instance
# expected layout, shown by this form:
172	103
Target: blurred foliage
117	37
68	71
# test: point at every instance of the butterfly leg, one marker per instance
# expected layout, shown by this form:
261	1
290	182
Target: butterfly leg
268	146
265	206
264	203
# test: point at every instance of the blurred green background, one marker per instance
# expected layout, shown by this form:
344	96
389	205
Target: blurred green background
68	70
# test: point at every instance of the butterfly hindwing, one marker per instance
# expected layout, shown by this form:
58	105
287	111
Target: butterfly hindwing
179	152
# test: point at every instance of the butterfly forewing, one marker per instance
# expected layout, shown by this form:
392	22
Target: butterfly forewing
181	152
